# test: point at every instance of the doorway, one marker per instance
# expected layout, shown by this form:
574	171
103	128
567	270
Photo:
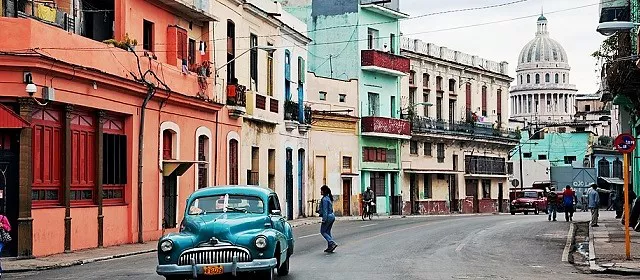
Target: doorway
301	182
377	183
472	190
169	199
500	198
9	186
413	193
346	197
453	193
289	183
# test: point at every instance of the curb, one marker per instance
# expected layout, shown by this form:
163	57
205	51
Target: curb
78	262
596	268
571	240
317	220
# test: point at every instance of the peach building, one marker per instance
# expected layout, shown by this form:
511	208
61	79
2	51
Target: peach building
75	112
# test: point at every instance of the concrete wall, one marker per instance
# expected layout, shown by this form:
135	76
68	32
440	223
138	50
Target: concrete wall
533	170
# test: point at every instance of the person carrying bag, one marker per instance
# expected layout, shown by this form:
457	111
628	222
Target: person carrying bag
5	235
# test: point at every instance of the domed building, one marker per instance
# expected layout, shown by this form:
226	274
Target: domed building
543	92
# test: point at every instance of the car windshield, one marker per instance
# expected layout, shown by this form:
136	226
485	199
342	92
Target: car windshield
530	195
232	203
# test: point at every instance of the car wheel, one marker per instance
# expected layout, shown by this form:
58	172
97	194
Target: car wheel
526	213
536	211
266	274
283	270
174	278
513	213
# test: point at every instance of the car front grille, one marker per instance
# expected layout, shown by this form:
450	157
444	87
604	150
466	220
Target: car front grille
214	255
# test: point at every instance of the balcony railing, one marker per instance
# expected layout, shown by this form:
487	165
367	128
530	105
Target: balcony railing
292	112
429	125
385	62
386	126
237	95
485	165
44	11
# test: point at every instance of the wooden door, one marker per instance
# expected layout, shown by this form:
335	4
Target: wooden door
346	197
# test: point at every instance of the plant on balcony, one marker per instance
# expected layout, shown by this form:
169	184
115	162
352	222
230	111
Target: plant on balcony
290	110
307	114
126	43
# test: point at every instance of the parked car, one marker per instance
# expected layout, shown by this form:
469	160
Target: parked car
527	201
228	230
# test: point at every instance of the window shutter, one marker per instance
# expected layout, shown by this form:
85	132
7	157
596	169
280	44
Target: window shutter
301	70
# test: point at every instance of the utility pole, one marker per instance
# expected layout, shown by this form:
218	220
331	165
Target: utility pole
520	160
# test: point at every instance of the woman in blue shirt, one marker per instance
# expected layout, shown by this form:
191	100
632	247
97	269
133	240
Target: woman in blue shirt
326	212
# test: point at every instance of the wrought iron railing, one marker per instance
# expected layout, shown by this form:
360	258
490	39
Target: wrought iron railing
291	111
237	95
426	125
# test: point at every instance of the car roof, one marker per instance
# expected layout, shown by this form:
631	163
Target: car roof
233	189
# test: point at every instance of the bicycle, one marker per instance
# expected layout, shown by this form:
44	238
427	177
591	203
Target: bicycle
366	211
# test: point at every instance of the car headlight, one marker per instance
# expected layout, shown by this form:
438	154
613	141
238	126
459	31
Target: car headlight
166	245
261	242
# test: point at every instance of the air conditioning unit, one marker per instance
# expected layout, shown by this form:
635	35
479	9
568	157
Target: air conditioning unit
49	94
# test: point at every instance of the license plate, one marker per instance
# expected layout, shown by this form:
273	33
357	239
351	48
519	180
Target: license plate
213	270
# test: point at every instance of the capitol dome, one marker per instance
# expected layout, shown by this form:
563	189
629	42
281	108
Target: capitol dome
543	92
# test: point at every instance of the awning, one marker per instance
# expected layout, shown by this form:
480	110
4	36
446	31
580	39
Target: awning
9	119
177	167
347	174
610	180
420	171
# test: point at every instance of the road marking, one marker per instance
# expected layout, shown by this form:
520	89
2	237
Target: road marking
460	247
310	235
567	246
509	223
370	225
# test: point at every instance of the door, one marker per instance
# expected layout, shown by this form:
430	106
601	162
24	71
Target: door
169	199
500	198
9	186
413	193
289	183
301	182
472	190
346	197
453	193
377	183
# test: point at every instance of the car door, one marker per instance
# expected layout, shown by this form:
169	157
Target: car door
275	213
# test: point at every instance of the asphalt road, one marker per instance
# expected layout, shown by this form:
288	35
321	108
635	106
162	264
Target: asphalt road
458	247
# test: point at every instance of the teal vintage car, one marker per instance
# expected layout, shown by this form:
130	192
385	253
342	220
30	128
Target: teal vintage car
228	230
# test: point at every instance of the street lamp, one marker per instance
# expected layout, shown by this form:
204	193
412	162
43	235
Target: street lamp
611	27
269	49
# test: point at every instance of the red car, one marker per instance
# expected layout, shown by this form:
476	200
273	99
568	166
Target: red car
527	200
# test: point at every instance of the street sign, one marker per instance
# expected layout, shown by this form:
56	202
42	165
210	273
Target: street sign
625	143
515	182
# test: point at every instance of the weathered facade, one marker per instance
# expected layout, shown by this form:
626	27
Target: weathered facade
456	159
77	174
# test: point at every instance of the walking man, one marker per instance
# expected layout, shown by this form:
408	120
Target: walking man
552	202
568	198
585	201
594	203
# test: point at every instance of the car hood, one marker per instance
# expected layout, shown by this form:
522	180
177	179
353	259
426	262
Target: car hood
228	226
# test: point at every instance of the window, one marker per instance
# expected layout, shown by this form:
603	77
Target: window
412	97
452	85
425	80
253	174
287	75
47	156
372	154
322	95
438	83
413	147
342	97
192	52
439	108
427	149
455	162
564	78
253	61
233	162
557	78
269	71
486	189
167	144
440	148
346	164
203	155
520	79
569	159
114	167
374	104
603	168
546	78
484	101
392	43
526	155
528	79
587	108
562	129
542	157
412	77
183	44
537	78
147	35
425	99
83	173
427	190
485	165
372	39
302	71
617	169
391	155
231	51
393	106
271	160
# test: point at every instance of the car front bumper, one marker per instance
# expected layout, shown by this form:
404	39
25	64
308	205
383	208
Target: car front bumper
233	268
522	208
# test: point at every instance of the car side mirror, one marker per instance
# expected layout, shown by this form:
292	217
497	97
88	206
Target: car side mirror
275	212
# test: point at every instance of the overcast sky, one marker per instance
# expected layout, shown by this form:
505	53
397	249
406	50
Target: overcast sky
573	29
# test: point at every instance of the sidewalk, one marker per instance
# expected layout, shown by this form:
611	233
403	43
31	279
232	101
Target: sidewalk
607	247
12	265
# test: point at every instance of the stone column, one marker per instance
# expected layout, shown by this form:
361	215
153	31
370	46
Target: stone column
67	177
25	221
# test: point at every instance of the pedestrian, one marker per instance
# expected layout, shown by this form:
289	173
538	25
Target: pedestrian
326	212
594	203
612	199
552	203
569	199
585	202
5	237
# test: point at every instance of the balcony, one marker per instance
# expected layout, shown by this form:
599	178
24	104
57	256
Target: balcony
237	100
385	63
485	166
422	125
262	108
389	9
386	127
193	9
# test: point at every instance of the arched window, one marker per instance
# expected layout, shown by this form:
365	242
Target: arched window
203	157
617	168
557	80
520	79
528	79
537	78
547	78
603	168
233	162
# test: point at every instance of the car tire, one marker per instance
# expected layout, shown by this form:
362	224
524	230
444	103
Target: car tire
283	270
526	213
513	213
537	211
